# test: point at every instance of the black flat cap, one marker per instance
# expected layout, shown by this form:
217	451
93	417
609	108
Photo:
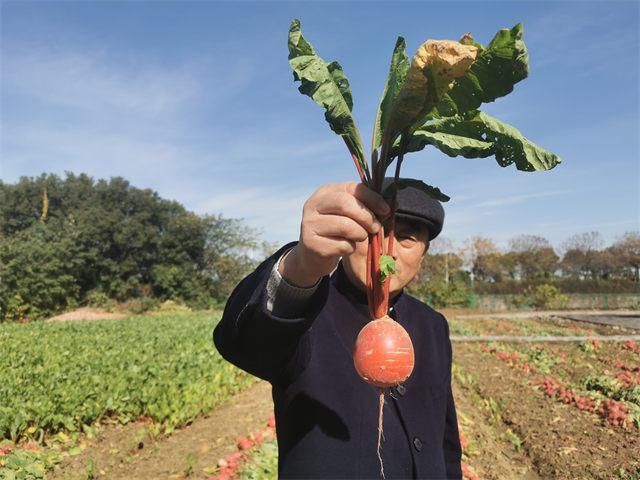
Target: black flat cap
416	205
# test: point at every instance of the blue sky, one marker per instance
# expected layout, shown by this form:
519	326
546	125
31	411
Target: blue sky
196	100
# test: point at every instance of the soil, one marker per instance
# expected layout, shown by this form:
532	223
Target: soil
132	452
560	441
86	314
490	454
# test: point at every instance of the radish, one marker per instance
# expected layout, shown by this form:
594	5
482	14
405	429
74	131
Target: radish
383	354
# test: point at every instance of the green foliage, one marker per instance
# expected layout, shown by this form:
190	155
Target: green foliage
328	86
161	366
612	388
387	267
441	294
541	359
546	296
141	305
624	474
397	73
431	100
499	66
97	298
262	463
27	464
478	135
16	308
513	438
105	241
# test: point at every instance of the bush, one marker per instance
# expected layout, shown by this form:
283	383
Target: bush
169	306
546	296
98	299
142	305
441	294
17	310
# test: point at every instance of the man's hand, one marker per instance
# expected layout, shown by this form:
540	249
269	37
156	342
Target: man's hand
334	219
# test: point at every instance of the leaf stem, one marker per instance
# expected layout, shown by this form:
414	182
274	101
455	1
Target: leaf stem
364	175
392	225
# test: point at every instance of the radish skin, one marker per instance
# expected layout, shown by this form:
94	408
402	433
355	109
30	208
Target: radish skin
383	353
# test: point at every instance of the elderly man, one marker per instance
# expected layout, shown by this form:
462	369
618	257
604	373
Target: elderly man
294	322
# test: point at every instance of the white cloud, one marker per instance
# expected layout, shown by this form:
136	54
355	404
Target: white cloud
513	199
275	212
90	82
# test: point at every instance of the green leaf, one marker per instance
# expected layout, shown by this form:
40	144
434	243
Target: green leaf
433	192
397	73
497	69
328	86
429	77
451	144
478	135
387	267
510	146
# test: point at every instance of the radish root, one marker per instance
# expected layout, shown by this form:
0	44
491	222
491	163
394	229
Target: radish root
380	434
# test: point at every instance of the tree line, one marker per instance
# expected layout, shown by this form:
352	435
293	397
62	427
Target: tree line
67	242
582	264
74	241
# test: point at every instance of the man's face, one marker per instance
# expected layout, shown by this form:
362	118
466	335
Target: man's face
410	246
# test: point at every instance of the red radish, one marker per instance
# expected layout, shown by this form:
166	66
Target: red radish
383	354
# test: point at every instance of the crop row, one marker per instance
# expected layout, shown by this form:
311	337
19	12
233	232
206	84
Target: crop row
608	397
63	376
514	326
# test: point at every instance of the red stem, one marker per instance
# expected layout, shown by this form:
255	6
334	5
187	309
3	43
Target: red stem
392	225
369	268
363	179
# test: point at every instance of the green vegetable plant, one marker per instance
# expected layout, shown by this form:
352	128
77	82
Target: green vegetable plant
431	99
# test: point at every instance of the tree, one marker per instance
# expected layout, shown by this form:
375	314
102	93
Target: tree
442	261
480	254
534	256
112	238
627	251
581	251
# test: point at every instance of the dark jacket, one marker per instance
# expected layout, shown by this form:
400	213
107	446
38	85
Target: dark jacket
326	416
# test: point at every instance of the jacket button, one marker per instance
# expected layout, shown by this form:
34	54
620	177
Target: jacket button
401	389
417	443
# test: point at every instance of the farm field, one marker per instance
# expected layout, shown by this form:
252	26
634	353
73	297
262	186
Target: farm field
148	397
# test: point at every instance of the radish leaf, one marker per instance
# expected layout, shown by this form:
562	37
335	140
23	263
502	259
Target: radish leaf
387	267
497	69
477	135
434	66
397	73
328	86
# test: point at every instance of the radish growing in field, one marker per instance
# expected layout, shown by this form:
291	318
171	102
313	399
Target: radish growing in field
431	100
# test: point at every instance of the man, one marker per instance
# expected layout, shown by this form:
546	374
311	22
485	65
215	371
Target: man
294	322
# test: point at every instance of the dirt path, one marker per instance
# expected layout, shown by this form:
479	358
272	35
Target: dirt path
131	452
86	313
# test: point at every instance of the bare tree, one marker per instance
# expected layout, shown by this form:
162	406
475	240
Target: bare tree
627	251
477	252
442	259
534	256
580	254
